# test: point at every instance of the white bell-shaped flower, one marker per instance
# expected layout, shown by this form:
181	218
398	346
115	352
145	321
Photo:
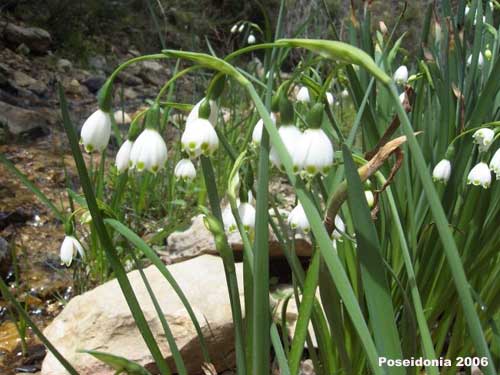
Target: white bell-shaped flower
185	170
229	220
257	130
241	28
330	98
149	151
495	163
442	171
401	75
96	131
291	136
69	248
480	60
122	160
247	215
344	93
303	95
251	39
483	138
298	221
480	175
234	28
370	198
193	115
314	153
339	228
199	138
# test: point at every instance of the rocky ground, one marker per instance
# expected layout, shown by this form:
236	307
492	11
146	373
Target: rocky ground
31	137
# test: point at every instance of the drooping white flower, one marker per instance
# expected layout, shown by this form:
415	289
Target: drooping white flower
329	98
251	39
69	248
303	95
467	10
122	160
229	220
185	170
402	97
401	75
480	60
149	151
495	163
257	130
370	199
297	219
344	93
234	28
247	215
290	135
193	115
121	117
313	154
483	138
199	138
241	28
442	171
480	175
339	228
96	131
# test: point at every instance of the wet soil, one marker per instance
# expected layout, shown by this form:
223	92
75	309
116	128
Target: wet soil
34	236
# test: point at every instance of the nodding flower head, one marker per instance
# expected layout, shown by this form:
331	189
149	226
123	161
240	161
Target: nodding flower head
149	151
330	98
480	175
185	170
313	154
122	160
303	95
495	163
370	198
401	75
298	221
483	138
290	135
194	114
96	131
251	39
257	130
442	171
199	138
234	28
247	216
69	248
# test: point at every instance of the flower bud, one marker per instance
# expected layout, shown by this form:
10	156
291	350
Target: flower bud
370	199
488	54
339	228
383	28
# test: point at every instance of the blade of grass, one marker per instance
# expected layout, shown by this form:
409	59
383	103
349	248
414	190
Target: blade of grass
377	292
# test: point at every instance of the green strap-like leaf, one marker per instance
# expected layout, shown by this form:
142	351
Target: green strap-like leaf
118	363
